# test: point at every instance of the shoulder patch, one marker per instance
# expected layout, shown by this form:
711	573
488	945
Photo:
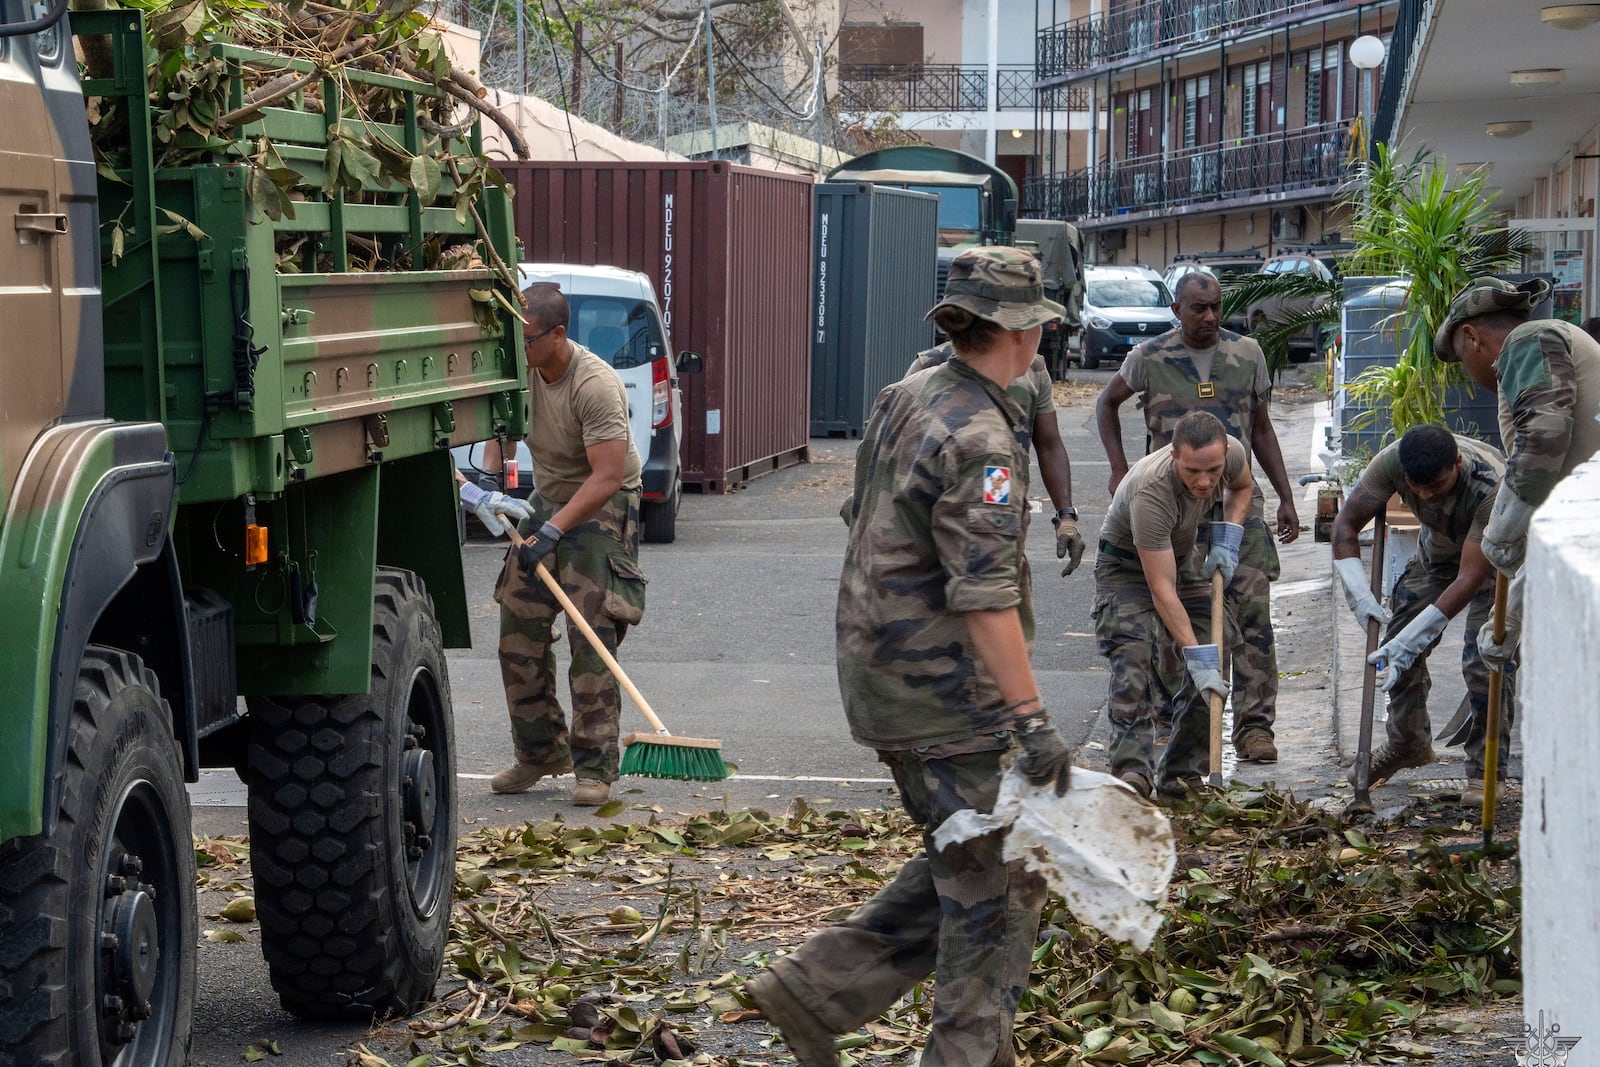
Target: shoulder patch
997	485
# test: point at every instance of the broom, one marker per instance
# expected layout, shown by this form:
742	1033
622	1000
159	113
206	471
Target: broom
658	755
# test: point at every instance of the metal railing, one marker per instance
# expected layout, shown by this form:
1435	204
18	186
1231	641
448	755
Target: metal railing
949	87
1311	157
1399	67
1139	28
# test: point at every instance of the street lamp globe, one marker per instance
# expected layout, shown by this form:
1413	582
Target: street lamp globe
1366	52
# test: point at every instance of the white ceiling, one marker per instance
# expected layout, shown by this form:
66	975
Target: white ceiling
1464	81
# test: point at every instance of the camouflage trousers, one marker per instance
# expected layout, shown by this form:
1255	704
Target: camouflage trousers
1255	660
963	915
597	565
1147	670
1418	586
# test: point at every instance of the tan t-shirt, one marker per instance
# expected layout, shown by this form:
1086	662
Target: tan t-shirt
1153	511
585	406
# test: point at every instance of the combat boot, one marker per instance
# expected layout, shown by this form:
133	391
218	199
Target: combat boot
1389	759
1137	782
1258	747
521	777
590	793
811	1042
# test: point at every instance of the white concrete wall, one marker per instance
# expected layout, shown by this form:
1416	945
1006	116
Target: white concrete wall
1561	753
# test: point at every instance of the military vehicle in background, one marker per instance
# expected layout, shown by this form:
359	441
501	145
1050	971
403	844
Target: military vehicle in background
230	528
978	206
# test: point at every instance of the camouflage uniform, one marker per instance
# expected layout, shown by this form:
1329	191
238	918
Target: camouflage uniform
1171	388
1549	374
1033	392
939	517
1445	529
1147	669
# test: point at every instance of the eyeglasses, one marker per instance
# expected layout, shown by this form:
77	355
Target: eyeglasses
529	340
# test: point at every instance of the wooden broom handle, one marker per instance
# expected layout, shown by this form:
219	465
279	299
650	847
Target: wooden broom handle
575	617
1216	698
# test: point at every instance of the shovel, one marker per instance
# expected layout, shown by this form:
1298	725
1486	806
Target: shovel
1361	803
1216	698
1491	739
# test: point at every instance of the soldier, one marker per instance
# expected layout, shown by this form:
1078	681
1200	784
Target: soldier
1201	367
934	623
1147	591
585	528
1547	374
1449	483
1034	393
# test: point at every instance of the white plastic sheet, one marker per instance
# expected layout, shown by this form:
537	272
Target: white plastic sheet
1108	852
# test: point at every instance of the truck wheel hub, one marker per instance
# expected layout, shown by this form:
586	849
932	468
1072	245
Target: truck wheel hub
131	953
421	800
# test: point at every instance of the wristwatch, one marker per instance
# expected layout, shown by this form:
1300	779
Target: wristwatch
1068	512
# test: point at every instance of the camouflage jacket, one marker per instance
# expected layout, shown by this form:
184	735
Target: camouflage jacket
1462	515
940	519
1033	392
1549	375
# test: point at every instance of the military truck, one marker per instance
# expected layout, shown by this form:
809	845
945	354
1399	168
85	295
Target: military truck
229	539
978	206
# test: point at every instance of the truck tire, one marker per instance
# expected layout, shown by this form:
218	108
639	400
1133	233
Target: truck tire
352	825
660	519
97	920
1088	362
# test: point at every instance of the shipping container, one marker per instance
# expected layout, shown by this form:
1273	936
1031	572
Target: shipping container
873	271
729	251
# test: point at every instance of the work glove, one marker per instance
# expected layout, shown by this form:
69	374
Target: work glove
1069	543
1358	593
536	548
494	508
1204	663
1397	654
1226	537
1505	538
1498	655
1045	756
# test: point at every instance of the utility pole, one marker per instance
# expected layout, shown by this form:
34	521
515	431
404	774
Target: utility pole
992	97
616	107
522	47
818	95
711	82
577	67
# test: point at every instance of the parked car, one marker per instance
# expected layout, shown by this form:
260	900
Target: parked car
615	315
1229	268
1304	343
1122	306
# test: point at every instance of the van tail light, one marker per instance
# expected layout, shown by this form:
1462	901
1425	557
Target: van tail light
660	393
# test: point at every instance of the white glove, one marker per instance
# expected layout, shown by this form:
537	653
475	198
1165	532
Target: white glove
493	508
1505	538
1204	663
1358	592
1399	652
1497	656
1226	537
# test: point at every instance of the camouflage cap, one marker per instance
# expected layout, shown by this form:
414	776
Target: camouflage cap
1480	296
1000	284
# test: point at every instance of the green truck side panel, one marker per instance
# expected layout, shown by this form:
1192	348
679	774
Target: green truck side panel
65	467
418	531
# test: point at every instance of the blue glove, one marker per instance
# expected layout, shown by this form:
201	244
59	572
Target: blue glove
1226	537
494	508
1204	663
1397	654
536	548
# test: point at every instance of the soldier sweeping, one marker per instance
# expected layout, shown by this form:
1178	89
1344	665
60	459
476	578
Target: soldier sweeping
1449	483
934	623
585	528
1152	602
1201	367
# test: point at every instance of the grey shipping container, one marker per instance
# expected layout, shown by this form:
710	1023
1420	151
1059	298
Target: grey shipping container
872	279
1372	318
728	249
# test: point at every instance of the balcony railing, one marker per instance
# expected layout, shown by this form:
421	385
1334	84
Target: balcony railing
1132	31
1311	157
949	87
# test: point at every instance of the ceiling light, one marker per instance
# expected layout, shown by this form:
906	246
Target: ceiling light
1017	134
1514	128
1538	76
1570	16
1485	168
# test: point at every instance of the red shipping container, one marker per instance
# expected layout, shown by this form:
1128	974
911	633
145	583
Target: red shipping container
728	249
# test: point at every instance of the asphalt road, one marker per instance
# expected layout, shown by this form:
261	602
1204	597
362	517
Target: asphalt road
737	644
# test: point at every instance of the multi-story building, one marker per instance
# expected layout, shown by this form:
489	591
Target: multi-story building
958	74
1218	125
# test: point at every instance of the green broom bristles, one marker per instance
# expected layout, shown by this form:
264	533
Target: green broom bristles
689	759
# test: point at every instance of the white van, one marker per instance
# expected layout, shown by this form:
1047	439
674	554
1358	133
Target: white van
615	316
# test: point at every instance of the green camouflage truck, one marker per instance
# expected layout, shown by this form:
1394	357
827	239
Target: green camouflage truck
230	537
978	206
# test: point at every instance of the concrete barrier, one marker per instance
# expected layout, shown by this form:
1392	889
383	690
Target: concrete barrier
1561	753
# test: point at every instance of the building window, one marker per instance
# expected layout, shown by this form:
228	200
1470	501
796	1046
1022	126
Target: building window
1257	97
1324	93
1195	90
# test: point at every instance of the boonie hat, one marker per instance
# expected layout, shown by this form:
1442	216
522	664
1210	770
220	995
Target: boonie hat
1480	296
1003	285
